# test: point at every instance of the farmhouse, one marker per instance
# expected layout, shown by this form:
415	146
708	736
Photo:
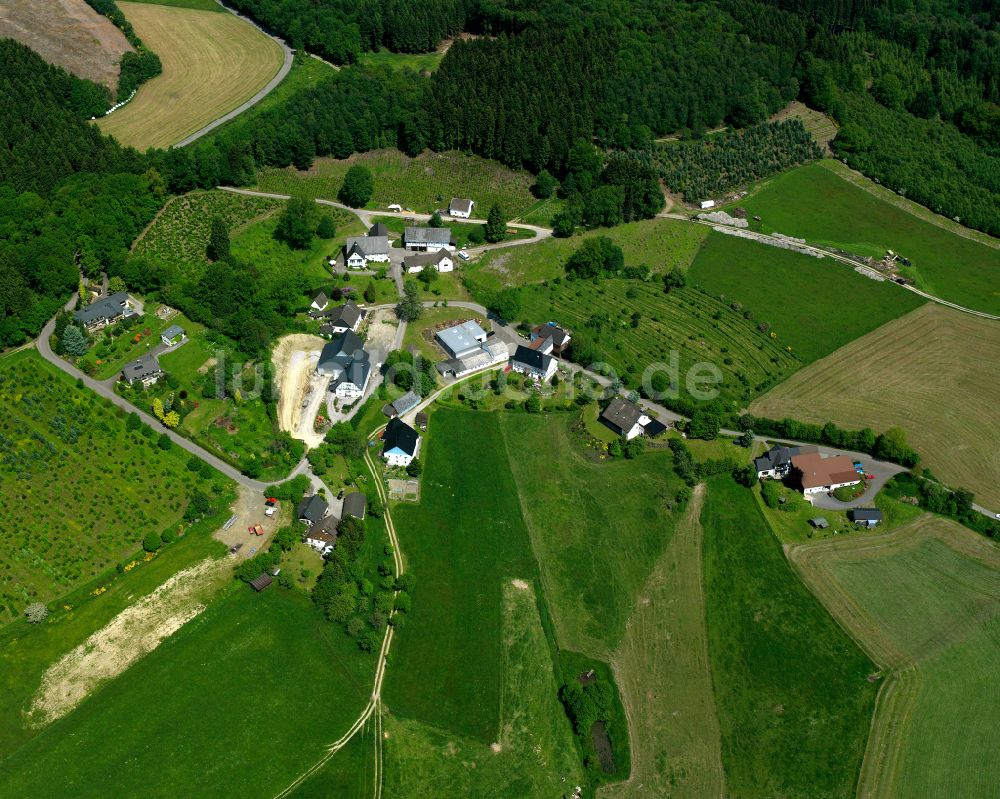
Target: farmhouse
440	260
312	510
359	251
816	474
533	363
553	340
400	443
777	462
404	404
144	370
355	504
341	319
428	239
625	418
319	301
462	209
173	336
462	339
104	311
489	354
865	517
323	537
347	364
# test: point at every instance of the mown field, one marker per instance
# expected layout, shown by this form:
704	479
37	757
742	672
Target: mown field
212	63
179	234
78	491
534	754
791	687
928	373
925	602
815	203
422	184
662	669
813	305
688	322
662	244
465	541
314	692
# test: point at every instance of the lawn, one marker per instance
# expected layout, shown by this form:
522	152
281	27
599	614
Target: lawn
212	63
938	641
419	62
618	508
687	324
534	753
210	710
791	687
662	244
816	203
422	184
140	335
420	334
812	305
179	234
675	728
463	543
926	373
78	489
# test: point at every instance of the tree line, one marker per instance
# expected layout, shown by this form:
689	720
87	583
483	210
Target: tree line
135	67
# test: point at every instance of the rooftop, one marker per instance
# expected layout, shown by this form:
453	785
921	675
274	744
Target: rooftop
367	245
816	471
463	206
621	414
462	338
427	235
144	366
172	332
102	308
399	435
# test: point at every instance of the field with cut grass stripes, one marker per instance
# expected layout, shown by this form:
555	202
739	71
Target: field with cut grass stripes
933	373
924	600
212	63
792	689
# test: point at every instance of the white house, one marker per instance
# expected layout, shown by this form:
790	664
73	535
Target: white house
359	251
816	474
104	311
341	319
173	336
319	301
347	364
462	339
625	418
323	536
533	363
400	443
490	354
145	370
462	209
440	260
428	239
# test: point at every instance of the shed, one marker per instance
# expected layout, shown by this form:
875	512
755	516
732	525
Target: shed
865	517
260	582
820	523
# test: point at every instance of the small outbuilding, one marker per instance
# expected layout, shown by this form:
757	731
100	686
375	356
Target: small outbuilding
460	208
819	522
173	336
260	582
865	517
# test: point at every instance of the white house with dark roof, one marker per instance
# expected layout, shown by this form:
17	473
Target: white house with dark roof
319	301
400	443
533	363
347	364
440	260
359	251
428	239
323	536
341	319
312	510
460	208
625	418
145	369
173	336
104	311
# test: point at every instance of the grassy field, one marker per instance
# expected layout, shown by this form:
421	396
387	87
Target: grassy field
662	670
533	755
77	490
617	507
422	184
813	305
816	203
179	234
925	602
416	61
110	353
212	63
662	244
324	683
791	688
925	373
448	662
691	323
197	5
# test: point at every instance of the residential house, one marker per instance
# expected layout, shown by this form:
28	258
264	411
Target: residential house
776	463
428	239
355	504
459	208
816	474
489	354
104	311
400	443
462	339
341	319
312	510
625	418
865	517
440	260
145	370
533	363
359	251
555	340
173	336
347	364
319	301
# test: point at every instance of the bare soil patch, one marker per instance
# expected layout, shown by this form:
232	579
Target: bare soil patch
134	632
68	33
294	358
822	128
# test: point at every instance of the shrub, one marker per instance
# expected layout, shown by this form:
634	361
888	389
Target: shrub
36	612
152	541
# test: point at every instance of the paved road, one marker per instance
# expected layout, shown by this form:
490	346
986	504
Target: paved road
271	84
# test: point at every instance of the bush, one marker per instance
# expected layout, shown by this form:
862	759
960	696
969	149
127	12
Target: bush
357	188
152	541
36	612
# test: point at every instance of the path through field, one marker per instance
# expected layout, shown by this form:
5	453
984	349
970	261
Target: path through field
212	63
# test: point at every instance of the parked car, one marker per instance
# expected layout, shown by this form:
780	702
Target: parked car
463	255
235	548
